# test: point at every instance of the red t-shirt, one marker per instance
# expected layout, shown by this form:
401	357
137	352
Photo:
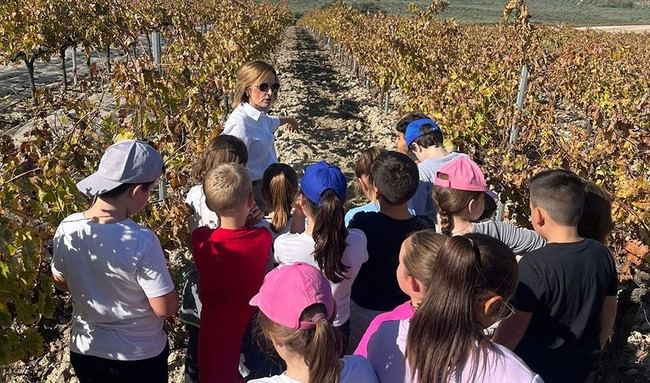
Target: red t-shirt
231	265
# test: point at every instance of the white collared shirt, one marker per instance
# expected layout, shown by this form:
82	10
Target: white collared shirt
256	129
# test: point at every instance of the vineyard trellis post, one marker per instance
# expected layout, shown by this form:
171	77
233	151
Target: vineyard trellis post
74	66
156	48
514	130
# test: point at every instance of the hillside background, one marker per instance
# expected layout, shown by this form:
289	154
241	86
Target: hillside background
575	12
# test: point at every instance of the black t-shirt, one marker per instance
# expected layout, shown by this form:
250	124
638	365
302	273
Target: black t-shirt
376	286
564	286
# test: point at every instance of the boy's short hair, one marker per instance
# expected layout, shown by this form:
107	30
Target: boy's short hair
118	191
561	193
396	176
429	137
408	118
227	187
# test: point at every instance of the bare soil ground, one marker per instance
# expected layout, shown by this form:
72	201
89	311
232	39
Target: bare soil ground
338	117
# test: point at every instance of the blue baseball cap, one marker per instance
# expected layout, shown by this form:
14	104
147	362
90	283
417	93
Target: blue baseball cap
322	176
413	130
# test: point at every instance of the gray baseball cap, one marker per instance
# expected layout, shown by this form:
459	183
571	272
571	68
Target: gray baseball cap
129	162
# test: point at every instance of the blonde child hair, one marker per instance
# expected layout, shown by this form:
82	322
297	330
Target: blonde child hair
227	187
420	250
279	188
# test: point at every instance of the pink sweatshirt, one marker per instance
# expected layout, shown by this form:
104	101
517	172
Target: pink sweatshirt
403	311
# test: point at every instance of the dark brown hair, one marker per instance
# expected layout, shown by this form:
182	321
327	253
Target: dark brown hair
362	168
596	220
279	187
561	193
430	137
451	202
396	176
320	346
225	148
407	119
447	327
329	234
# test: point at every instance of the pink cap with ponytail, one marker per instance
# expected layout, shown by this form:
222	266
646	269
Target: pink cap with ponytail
288	290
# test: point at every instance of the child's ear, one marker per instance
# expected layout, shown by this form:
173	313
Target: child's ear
492	306
537	216
474	206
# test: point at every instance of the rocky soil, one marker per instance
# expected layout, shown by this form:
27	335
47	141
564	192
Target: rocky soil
339	116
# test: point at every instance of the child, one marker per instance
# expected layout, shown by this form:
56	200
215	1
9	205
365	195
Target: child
395	178
326	243
414	272
400	130
116	272
473	277
364	179
222	149
279	188
231	261
566	297
296	307
424	138
460	195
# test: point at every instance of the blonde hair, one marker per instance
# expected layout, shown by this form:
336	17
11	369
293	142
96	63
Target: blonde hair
279	187
227	187
247	76
421	251
320	346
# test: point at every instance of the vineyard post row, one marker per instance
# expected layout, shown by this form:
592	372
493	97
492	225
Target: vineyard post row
384	99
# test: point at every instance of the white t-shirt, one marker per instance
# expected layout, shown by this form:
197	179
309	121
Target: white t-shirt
356	369
422	201
256	129
202	215
290	248
111	271
386	355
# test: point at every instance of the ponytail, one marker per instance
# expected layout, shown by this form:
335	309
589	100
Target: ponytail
329	234
323	352
320	346
446	328
279	187
450	203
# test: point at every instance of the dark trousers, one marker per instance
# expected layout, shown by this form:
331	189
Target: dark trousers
191	358
92	369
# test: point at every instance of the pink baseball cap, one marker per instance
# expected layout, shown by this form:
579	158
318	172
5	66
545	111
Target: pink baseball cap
288	290
462	174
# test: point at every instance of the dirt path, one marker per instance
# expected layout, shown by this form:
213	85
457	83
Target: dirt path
338	116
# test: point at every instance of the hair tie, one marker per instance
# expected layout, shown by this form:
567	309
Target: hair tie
309	324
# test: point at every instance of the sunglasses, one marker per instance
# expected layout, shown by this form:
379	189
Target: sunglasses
264	87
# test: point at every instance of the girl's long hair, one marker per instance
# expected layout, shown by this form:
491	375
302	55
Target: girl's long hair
421	250
447	327
329	234
279	187
223	149
320	346
451	202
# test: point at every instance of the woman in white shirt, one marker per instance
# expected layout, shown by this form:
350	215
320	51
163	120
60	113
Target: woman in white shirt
255	92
